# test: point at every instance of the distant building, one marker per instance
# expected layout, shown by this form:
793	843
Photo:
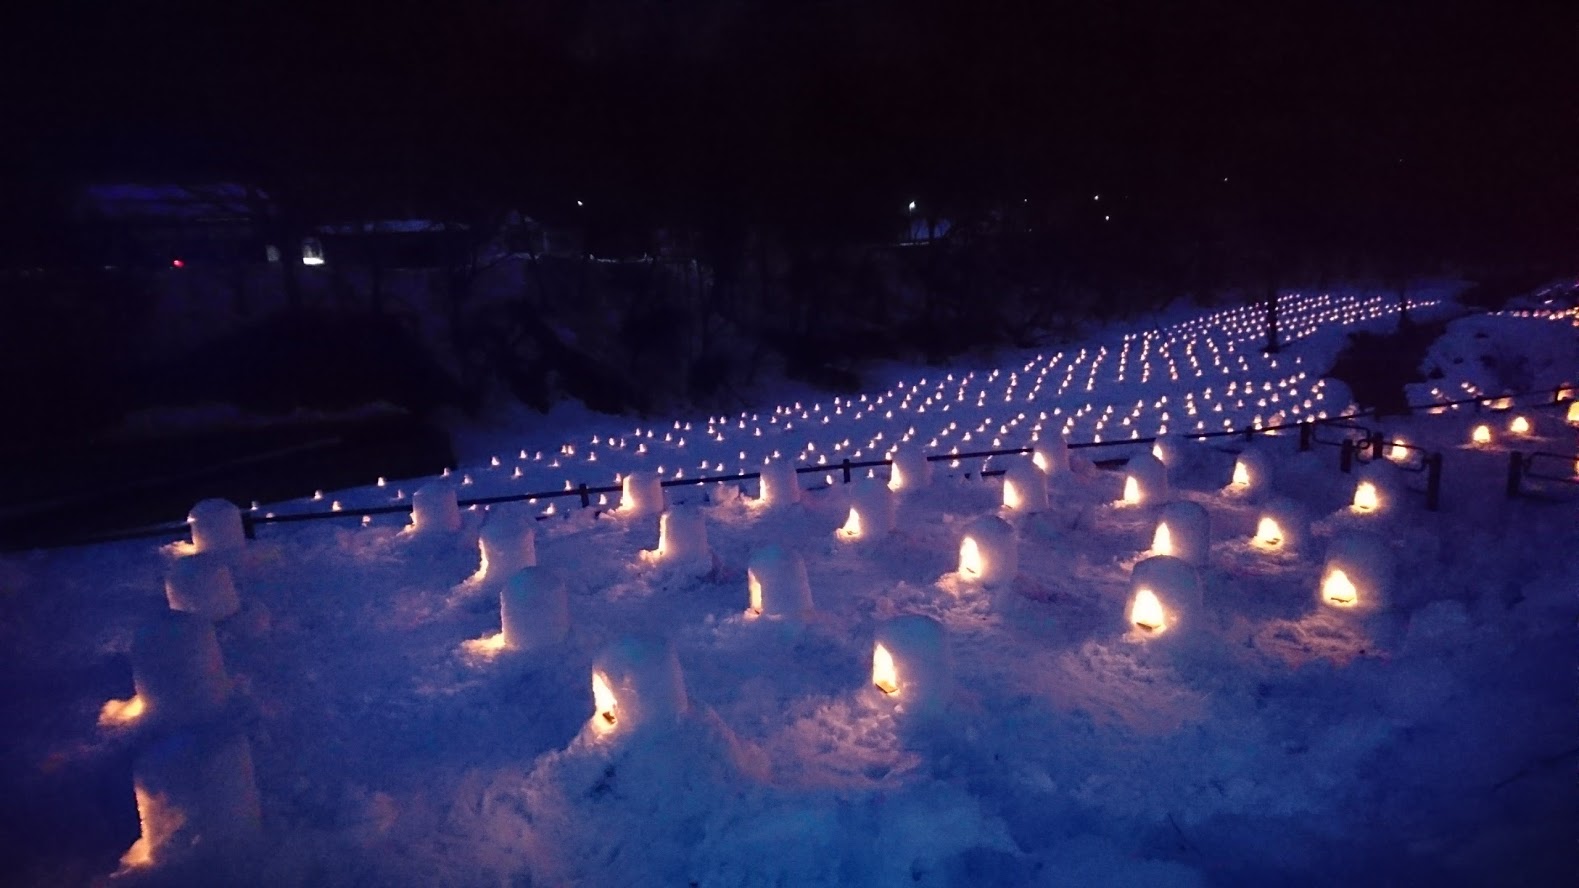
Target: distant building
132	226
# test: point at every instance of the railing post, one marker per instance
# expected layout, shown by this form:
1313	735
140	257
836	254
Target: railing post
1307	430
846	468
1250	432
249	529
1515	473
1433	482
1377	440
586	497
1346	456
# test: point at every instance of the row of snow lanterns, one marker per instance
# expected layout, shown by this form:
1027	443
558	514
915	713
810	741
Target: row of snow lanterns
193	777
1265	392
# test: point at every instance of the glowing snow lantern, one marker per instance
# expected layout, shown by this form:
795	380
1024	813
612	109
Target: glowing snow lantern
196	795
435	509
637	682
1163	592
682	541
912	664
641	495
988	552
1145	480
177	668
1252	478
1366	497
1573	412
1357	572
216	526
1519	426
1025	488
507	541
776	583
1283	525
1481	434
1052	456
871	511
1183	531
534	610
201	584
910	470
779	484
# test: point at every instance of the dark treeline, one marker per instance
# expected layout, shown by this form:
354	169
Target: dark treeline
1099	155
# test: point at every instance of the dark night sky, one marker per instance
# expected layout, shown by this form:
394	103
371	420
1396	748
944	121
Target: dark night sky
667	110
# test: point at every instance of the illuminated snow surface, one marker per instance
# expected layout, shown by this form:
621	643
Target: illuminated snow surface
1268	737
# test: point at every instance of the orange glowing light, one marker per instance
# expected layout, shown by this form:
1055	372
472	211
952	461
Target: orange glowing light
604	705
487	646
1011	495
1241	474
1131	490
1366	498
852	526
121	712
1162	540
1268	533
1481	434
754	590
884	673
1146	611
1339	590
971	562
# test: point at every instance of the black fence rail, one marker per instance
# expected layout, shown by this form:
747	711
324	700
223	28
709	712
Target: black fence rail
1355	442
1526	466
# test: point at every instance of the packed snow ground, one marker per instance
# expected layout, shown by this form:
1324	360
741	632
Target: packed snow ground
1428	739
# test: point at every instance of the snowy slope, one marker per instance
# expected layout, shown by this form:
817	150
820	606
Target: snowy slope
1423	738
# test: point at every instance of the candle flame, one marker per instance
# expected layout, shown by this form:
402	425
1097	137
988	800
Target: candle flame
884	674
971	562
1162	540
1338	589
852	526
1268	533
603	703
1366	498
1146	612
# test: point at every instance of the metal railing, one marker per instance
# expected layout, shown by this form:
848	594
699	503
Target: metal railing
1358	443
